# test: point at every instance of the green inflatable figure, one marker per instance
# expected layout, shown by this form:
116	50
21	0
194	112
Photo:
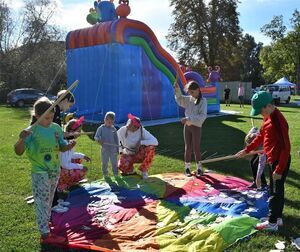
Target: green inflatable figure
92	18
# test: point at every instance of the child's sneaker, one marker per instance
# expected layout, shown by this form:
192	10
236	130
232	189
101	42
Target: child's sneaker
128	173
267	226
60	209
279	222
52	238
188	172
199	171
64	203
145	175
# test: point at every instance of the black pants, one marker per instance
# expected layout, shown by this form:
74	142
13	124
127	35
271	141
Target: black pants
254	168
276	201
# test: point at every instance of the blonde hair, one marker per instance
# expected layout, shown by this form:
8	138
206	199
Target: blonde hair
110	115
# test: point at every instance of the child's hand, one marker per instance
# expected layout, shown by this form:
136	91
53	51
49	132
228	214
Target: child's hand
258	182
276	176
176	86
241	154
138	145
86	158
183	121
24	134
71	144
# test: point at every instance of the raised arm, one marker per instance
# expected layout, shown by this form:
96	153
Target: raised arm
180	99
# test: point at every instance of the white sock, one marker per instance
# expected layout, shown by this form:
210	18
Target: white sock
187	165
199	166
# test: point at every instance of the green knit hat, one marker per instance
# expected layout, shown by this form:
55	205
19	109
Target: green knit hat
260	100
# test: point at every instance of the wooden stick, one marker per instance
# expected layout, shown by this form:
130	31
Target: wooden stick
228	157
54	104
177	75
80	133
252	122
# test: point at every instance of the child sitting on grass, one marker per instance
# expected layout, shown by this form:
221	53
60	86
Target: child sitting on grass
274	136
72	171
42	144
107	137
257	163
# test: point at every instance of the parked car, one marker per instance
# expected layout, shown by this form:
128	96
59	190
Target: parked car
20	97
280	93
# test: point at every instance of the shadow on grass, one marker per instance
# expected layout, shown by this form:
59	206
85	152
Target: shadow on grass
216	137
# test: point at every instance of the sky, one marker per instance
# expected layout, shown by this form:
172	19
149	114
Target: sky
156	14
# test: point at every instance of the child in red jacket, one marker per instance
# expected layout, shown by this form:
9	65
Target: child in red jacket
274	137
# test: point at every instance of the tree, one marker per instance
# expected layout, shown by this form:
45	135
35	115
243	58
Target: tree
206	34
282	57
250	67
29	53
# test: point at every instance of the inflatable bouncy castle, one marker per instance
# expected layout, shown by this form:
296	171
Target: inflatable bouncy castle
123	68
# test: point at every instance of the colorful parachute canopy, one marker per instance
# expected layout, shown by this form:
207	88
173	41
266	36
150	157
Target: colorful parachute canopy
167	212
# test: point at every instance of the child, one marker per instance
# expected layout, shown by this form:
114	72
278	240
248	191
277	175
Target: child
274	137
42	144
106	135
196	112
257	163
227	96
241	94
72	171
63	106
137	146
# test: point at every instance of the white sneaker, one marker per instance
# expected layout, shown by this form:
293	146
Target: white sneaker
279	221
145	175
64	203
267	226
60	209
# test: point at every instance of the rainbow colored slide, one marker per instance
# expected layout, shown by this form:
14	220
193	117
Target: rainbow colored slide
123	68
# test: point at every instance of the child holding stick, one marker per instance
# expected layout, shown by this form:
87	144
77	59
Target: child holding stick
257	162
42	143
195	114
107	136
72	169
274	136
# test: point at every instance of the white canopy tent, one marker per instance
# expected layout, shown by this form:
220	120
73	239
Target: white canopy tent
285	81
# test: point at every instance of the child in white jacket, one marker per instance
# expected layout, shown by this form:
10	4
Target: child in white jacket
72	169
137	146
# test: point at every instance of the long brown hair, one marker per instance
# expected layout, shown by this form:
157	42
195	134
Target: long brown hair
192	85
39	108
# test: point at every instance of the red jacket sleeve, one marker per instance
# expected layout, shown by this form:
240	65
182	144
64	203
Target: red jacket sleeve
286	146
258	141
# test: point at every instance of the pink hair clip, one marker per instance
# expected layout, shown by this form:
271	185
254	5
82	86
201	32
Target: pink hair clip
78	123
134	120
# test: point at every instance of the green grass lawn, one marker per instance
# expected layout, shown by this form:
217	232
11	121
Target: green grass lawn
224	135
